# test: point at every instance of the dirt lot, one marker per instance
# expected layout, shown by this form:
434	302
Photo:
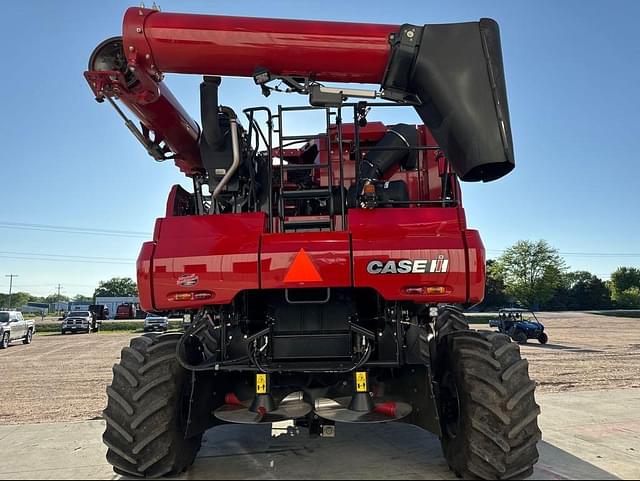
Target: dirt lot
64	378
58	378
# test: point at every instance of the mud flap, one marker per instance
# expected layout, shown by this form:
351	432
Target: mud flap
415	386
207	394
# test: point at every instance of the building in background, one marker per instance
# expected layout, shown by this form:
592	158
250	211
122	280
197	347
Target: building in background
113	302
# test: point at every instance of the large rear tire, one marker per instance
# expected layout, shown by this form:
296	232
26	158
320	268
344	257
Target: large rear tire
488	409
450	320
147	410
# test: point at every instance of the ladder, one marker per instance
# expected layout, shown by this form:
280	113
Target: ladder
289	197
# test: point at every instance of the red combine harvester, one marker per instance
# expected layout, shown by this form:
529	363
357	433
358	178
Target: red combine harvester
323	273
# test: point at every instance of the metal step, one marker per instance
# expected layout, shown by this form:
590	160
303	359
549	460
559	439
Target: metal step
307	224
306	194
294	167
290	138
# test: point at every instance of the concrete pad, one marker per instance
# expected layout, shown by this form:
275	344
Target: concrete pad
587	436
54	451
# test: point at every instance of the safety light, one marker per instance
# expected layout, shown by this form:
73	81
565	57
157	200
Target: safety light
190	296
423	290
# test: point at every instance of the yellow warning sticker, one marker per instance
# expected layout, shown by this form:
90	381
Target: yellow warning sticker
361	382
261	384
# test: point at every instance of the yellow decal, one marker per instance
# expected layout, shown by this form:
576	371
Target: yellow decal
361	382
261	384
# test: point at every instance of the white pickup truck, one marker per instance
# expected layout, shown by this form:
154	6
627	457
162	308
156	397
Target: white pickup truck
13	327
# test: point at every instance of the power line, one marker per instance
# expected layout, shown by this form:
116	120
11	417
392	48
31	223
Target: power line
73	230
583	254
75	261
67	256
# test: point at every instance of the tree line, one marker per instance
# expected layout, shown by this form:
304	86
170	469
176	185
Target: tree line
116	287
534	275
529	274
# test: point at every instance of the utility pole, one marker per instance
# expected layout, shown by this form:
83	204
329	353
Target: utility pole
11	276
58	298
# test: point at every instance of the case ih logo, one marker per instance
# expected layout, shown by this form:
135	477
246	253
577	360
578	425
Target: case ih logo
417	266
188	280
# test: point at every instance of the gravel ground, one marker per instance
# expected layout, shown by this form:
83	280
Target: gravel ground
64	378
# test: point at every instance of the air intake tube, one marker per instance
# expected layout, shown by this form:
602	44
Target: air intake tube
212	136
455	74
395	148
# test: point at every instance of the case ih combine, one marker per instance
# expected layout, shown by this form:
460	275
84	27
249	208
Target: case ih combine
322	272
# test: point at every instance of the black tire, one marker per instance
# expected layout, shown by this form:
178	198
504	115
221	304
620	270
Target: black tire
146	411
543	338
520	337
451	319
489	414
29	339
4	343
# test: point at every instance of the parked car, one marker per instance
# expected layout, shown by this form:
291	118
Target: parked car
13	328
520	325
156	323
100	310
126	311
79	321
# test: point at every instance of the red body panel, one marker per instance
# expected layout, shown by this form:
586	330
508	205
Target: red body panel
215	254
145	283
411	234
237	46
229	254
330	253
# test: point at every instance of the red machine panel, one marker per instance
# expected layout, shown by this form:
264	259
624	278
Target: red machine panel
237	46
144	267
477	266
415	254
204	259
306	260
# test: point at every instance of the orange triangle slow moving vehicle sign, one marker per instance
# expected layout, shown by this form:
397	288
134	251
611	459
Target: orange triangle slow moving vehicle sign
303	270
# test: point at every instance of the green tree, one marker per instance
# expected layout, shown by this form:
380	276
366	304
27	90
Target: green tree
53	298
532	272
18	299
625	287
81	298
589	292
495	295
628	299
117	287
625	278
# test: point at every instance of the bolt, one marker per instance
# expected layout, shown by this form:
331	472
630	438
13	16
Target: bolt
411	33
131	48
139	30
147	56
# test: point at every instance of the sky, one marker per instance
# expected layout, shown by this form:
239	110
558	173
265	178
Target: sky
573	77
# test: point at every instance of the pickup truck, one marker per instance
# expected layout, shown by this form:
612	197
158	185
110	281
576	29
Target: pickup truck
13	328
80	321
